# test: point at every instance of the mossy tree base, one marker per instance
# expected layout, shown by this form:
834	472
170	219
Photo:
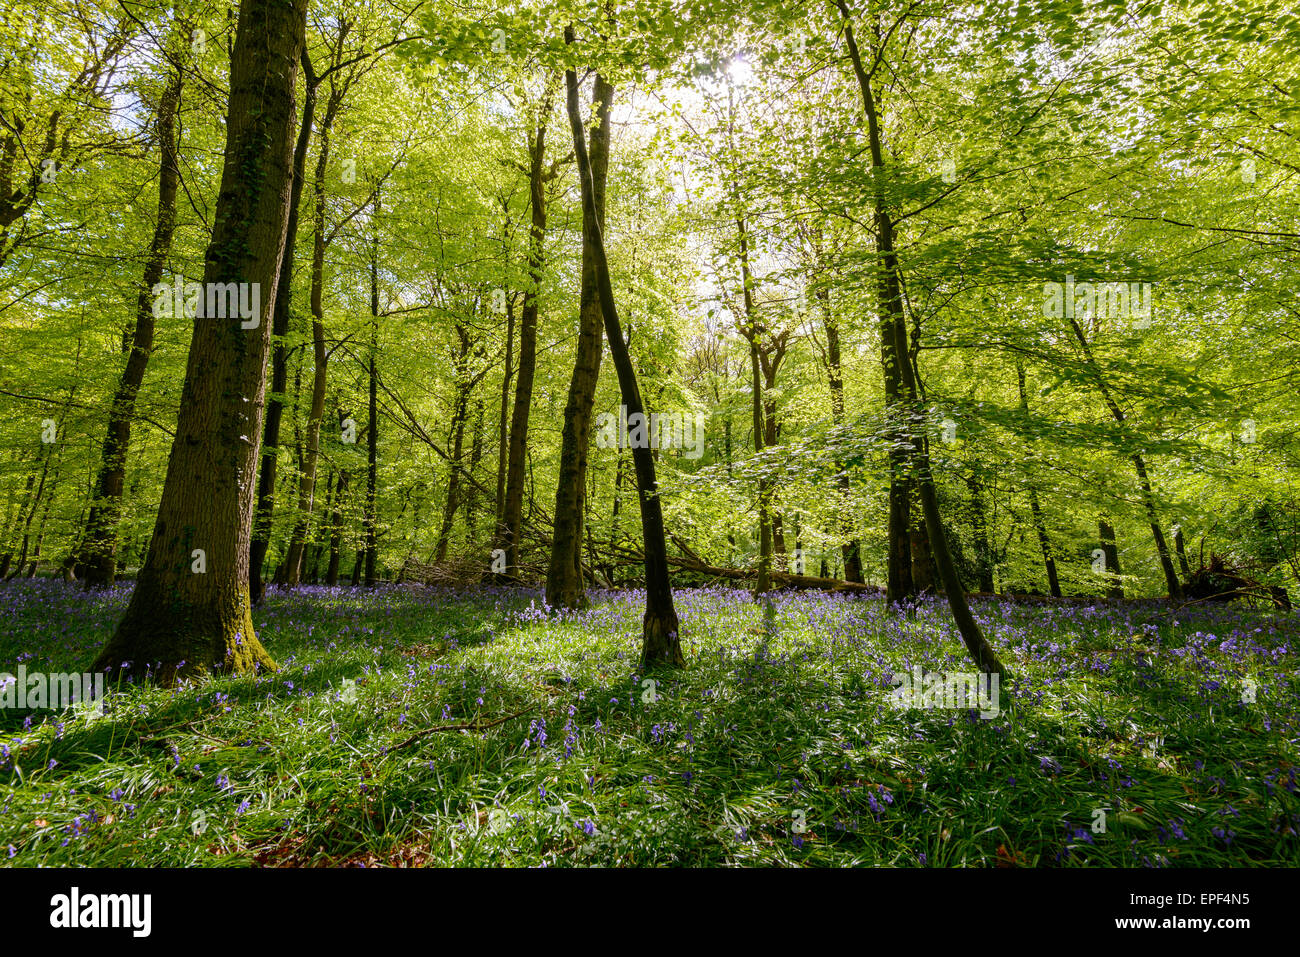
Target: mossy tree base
184	640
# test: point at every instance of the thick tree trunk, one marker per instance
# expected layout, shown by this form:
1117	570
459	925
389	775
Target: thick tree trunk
660	644
181	620
279	366
564	583
99	548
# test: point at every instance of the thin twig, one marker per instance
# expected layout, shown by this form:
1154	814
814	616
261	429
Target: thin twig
471	726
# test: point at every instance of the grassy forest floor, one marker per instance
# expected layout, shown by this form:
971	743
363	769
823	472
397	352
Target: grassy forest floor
778	745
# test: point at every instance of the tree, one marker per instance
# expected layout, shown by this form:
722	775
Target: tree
191	608
660	644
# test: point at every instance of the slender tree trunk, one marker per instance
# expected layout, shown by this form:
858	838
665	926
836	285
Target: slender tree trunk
660	644
512	513
372	435
464	384
1111	552
850	550
1040	526
99	548
564	582
1181	547
892	305
182	620
979	523
503	425
279	364
763	582
320	358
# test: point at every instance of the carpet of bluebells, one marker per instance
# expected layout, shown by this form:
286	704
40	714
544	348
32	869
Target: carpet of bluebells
1133	735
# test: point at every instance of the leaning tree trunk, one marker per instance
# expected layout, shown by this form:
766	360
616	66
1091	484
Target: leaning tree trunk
1144	482
660	644
183	620
564	584
99	549
891	305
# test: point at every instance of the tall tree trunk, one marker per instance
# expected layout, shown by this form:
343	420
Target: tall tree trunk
660	644
279	364
180	620
460	412
1148	497
320	358
564	582
850	550
763	581
336	522
503	425
512	512
372	434
892	305
99	548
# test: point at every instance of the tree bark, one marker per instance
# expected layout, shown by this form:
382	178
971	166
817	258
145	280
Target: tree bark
181	621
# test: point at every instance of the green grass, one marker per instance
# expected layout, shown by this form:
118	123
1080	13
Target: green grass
778	719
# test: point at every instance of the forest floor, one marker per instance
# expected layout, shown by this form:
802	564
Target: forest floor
778	745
